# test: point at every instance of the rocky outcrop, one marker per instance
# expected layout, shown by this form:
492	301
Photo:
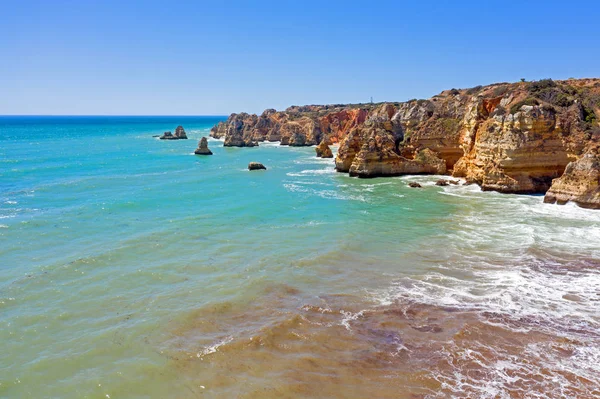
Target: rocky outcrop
203	147
239	130
256	166
337	125
179	134
296	126
167	136
372	150
323	150
515	153
580	183
507	137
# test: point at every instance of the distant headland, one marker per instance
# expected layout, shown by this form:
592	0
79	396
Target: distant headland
540	137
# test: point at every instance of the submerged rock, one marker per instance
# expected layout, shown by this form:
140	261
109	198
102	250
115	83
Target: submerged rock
414	184
256	166
442	182
203	147
580	183
323	150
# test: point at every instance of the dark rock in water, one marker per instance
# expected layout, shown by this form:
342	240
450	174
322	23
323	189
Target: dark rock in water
180	133
203	147
167	136
442	182
323	150
156	135
455	182
414	184
256	166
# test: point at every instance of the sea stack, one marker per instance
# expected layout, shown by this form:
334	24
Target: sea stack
323	150
203	147
180	133
256	166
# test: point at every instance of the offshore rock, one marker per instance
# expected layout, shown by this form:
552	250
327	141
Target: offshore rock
323	150
414	184
256	166
580	183
180	133
203	147
167	136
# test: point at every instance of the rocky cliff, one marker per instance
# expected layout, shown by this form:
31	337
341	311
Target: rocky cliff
507	137
579	183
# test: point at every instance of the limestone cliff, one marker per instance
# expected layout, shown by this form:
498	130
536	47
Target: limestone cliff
580	183
507	137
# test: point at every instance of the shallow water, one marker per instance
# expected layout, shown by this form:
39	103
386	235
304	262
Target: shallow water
132	268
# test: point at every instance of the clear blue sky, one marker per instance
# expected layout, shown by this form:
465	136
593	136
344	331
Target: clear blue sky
214	58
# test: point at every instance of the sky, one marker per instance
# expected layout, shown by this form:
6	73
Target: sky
214	58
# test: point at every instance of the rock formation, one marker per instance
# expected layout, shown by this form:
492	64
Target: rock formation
580	183
179	134
256	166
414	184
203	147
323	150
507	137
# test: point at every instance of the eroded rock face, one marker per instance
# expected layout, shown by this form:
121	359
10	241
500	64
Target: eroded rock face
323	150
180	133
580	183
339	124
203	147
507	137
372	151
515	153
239	130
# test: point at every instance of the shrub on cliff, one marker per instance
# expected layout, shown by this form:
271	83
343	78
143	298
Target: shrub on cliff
589	116
500	91
474	90
528	101
539	85
555	96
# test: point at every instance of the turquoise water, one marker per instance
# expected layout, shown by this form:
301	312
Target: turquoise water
115	247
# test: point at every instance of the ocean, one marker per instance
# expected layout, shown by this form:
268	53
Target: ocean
132	268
